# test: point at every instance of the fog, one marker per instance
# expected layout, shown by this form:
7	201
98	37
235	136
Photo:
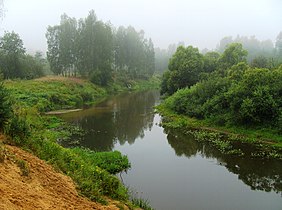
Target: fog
201	23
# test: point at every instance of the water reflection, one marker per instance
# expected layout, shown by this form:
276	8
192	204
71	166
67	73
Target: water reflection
121	118
259	174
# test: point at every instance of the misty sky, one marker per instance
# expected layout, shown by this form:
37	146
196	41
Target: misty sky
201	23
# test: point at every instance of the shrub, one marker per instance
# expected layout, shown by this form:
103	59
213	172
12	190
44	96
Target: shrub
5	106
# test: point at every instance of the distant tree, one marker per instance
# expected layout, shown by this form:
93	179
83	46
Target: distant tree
67	47
31	67
87	56
98	51
134	55
259	62
211	61
162	57
232	55
224	42
254	46
95	49
278	45
11	50
53	53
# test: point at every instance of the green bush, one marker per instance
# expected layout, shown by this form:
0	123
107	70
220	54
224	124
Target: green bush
5	106
245	96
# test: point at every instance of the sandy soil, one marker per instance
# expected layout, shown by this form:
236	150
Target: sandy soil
42	188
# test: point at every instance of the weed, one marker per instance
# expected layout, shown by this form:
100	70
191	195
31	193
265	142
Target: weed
3	152
23	167
143	204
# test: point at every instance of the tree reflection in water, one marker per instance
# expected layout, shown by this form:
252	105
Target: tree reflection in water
259	174
122	118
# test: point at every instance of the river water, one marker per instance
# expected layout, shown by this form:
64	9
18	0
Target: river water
171	169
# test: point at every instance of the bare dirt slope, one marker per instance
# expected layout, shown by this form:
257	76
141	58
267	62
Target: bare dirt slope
40	188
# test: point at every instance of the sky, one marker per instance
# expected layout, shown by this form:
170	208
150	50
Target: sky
201	23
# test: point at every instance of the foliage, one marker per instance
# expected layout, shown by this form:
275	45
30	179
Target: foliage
112	162
230	140
184	70
162	57
254	46
143	204
95	49
11	49
90	170
14	62
211	61
5	106
23	165
233	54
250	97
54	93
93	181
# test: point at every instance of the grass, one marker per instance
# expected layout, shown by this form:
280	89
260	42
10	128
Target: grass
46	95
23	167
3	152
143	204
268	143
59	93
93	172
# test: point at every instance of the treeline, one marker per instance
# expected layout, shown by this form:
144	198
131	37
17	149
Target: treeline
15	63
162	56
223	88
265	49
94	49
264	54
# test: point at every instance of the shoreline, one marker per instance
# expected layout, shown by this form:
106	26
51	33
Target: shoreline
226	141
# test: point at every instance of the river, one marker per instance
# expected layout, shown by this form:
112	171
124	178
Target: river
171	169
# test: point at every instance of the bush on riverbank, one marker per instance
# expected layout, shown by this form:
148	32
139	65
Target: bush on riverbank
267	143
245	97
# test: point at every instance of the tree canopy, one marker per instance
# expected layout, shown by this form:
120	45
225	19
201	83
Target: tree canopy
184	67
97	50
14	63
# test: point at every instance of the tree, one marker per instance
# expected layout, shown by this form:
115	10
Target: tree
211	61
67	47
232	55
31	67
224	42
185	68
133	54
254	46
259	62
278	45
53	53
11	50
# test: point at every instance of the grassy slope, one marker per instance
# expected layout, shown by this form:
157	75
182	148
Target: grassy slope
54	93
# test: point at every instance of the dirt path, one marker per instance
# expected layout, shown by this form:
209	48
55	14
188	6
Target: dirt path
41	188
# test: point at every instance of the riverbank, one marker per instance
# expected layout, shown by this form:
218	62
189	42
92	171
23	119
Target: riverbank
93	172
30	183
229	140
62	93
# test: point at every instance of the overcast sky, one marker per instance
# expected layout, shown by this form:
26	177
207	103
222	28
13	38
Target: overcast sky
201	23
